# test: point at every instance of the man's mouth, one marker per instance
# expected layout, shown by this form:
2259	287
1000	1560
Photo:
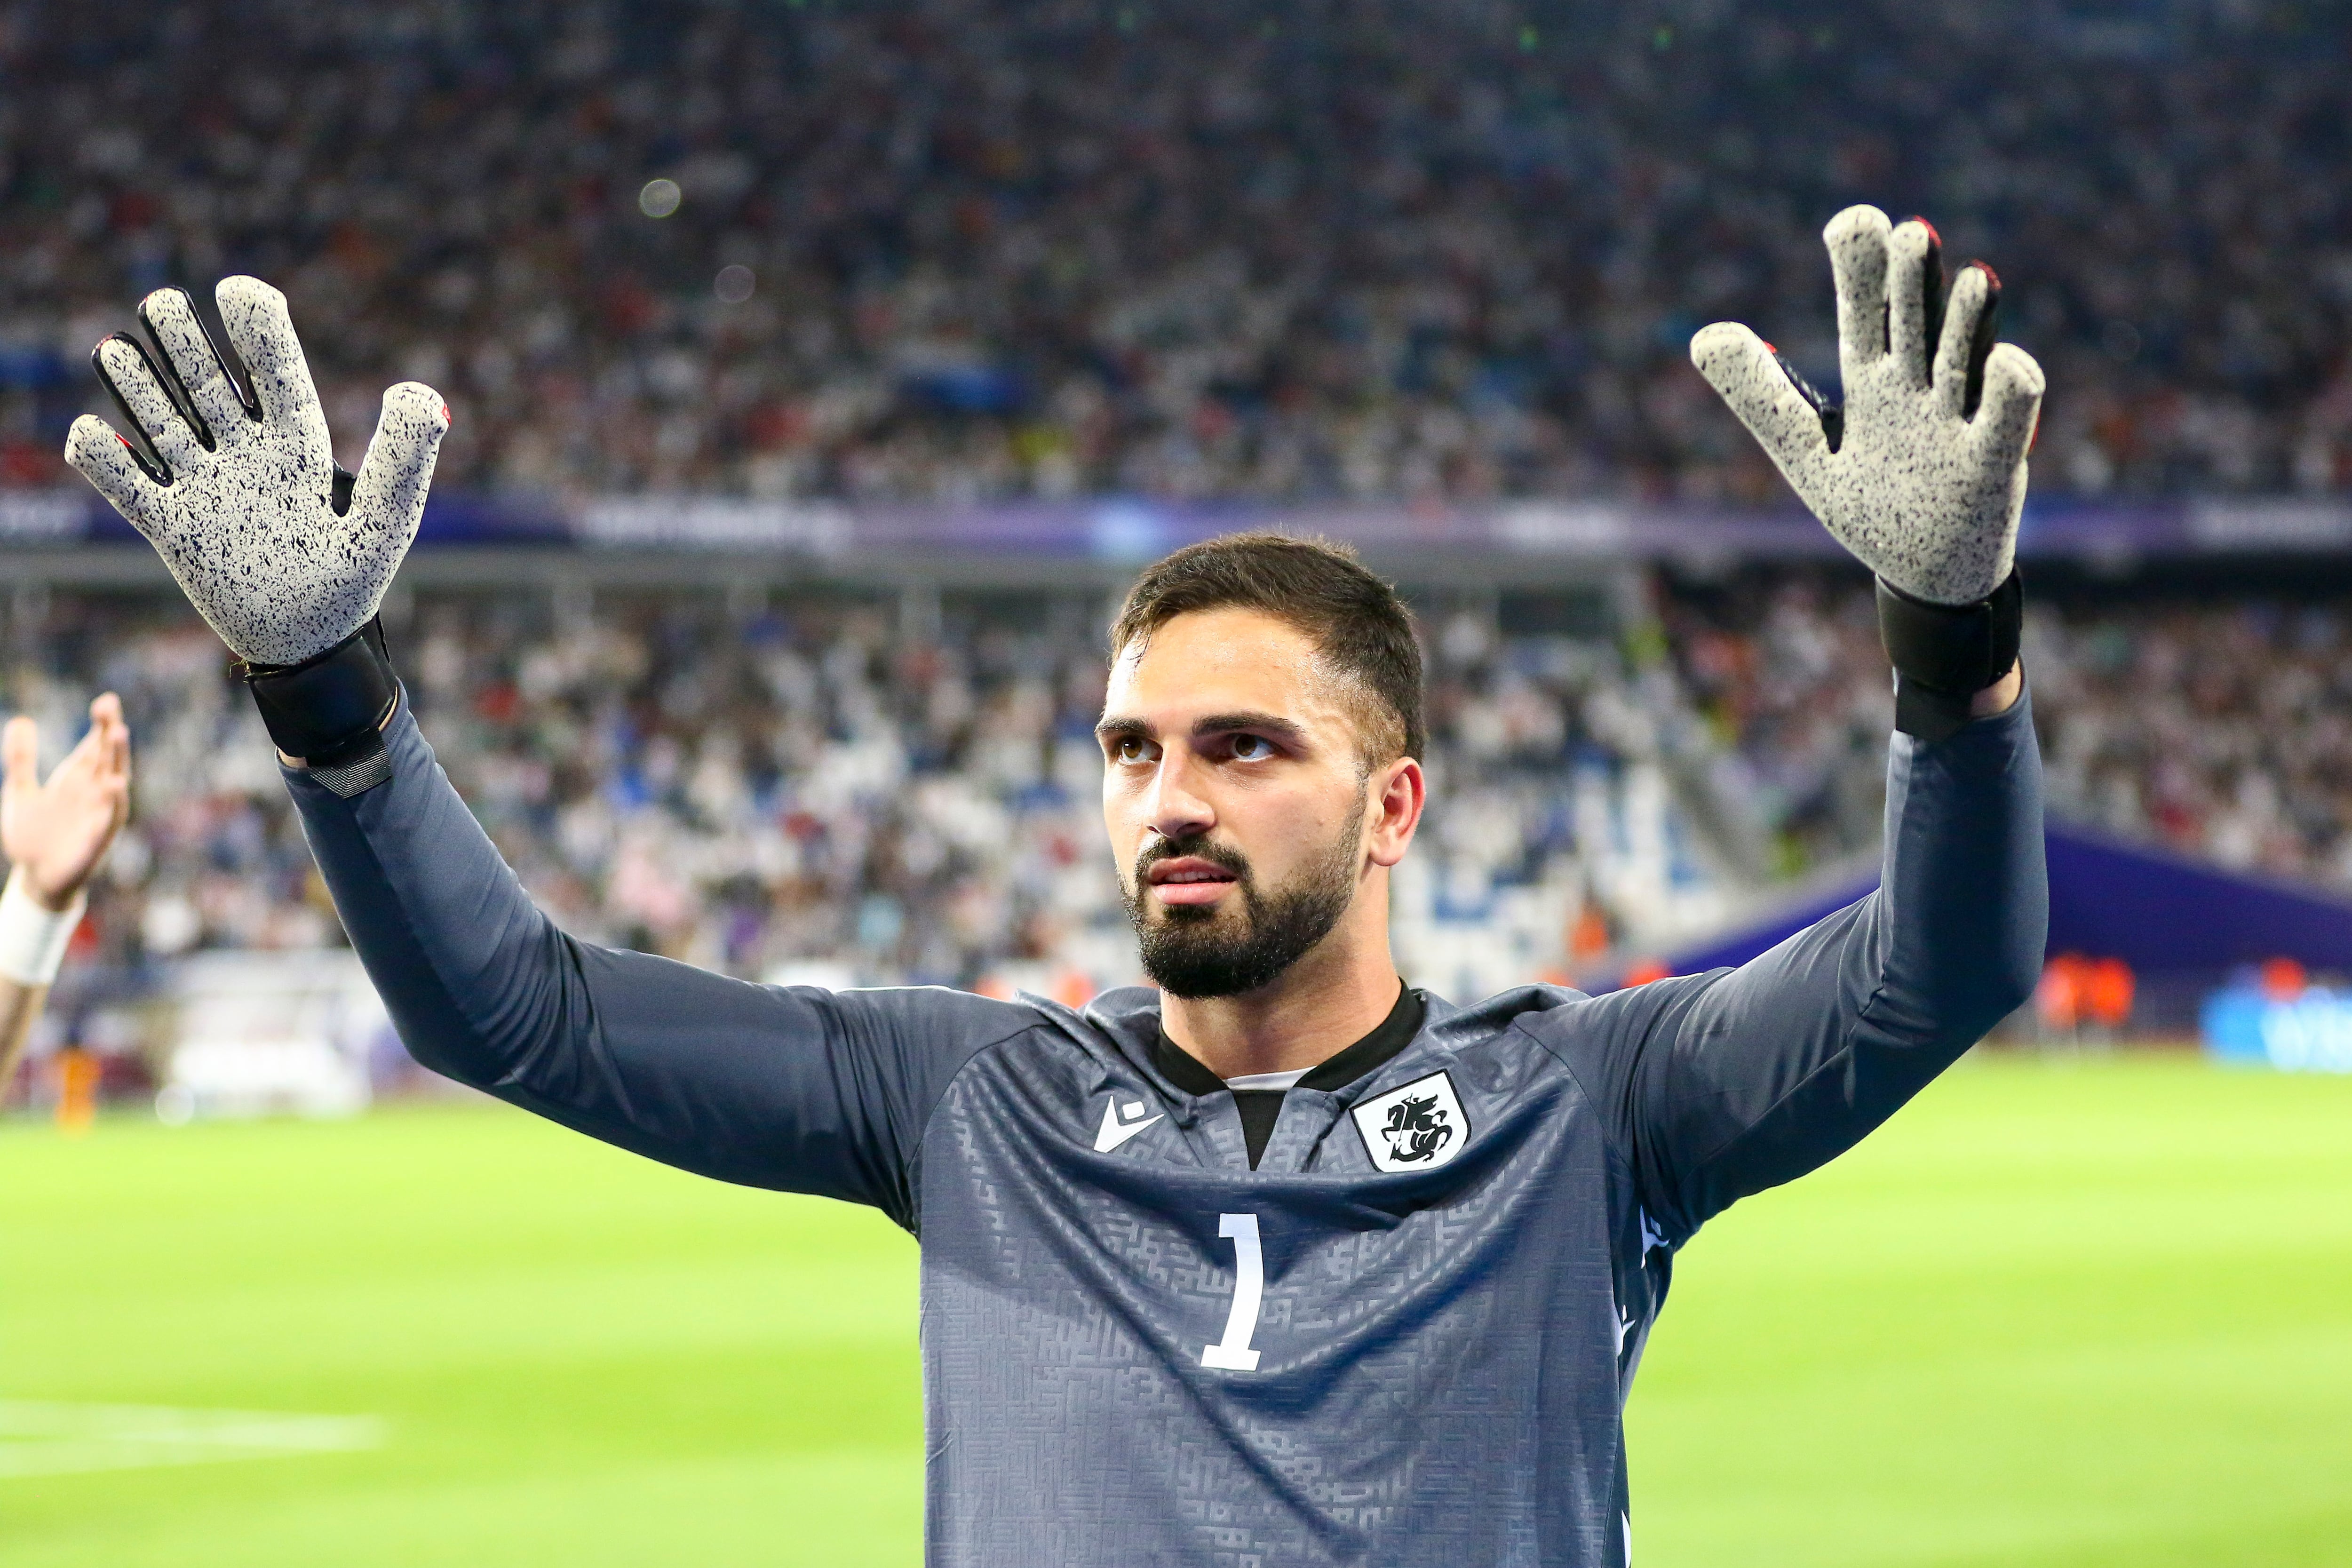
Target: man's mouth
1188	880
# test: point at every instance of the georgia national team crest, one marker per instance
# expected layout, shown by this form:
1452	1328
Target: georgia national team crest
1416	1128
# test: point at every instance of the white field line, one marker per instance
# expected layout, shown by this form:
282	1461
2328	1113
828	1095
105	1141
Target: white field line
39	1439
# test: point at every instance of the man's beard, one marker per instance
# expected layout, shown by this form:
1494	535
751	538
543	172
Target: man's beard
1193	949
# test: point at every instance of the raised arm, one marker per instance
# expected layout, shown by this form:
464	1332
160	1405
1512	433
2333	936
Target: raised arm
288	557
1724	1084
1731	1083
55	834
793	1087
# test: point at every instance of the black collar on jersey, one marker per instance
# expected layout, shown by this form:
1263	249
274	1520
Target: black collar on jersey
1394	1033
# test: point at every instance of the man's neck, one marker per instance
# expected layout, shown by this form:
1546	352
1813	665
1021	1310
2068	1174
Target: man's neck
1332	998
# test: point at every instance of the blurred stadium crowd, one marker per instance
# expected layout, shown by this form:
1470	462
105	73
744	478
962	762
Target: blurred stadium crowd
1396	249
814	787
2217	725
948	250
811	789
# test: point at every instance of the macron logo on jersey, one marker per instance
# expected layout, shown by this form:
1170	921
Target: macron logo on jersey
1417	1128
1121	1122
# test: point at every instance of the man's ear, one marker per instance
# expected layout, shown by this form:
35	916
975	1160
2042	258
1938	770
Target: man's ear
1396	791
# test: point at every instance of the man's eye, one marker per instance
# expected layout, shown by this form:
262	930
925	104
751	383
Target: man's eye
1252	748
1130	750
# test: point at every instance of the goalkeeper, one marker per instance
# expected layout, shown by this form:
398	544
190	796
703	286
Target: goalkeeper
1284	1262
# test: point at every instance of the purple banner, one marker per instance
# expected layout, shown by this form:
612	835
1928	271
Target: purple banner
2161	912
1134	529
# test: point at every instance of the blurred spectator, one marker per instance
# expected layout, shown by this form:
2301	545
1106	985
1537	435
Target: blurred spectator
958	248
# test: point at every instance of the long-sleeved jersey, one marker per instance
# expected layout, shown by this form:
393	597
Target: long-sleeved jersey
1405	1336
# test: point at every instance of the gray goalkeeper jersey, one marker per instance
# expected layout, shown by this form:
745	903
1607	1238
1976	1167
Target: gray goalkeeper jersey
1404	1338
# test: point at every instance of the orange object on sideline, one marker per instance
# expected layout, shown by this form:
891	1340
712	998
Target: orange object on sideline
2108	986
2284	980
1645	970
77	1075
2058	998
1587	934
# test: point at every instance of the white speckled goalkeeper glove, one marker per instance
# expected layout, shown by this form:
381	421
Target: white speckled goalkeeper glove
281	552
1921	473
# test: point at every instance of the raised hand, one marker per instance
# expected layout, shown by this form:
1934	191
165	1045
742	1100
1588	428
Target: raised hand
55	834
1921	471
283	554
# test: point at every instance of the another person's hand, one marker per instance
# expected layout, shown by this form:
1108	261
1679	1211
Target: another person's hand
55	834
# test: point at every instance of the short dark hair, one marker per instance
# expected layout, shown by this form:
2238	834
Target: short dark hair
1356	621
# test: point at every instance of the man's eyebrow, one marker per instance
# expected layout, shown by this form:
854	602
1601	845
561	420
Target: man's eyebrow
1114	726
1271	724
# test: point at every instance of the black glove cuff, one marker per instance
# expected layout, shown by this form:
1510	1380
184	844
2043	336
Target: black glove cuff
330	710
1944	654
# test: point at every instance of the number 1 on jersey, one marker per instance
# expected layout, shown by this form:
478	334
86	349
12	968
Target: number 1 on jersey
1232	1352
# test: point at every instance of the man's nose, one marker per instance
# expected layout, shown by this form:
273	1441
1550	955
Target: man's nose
1177	809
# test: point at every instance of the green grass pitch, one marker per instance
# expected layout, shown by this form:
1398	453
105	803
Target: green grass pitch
2084	1315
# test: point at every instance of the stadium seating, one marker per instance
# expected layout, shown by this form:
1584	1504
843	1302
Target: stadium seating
804	791
2216	725
984	251
1000	248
